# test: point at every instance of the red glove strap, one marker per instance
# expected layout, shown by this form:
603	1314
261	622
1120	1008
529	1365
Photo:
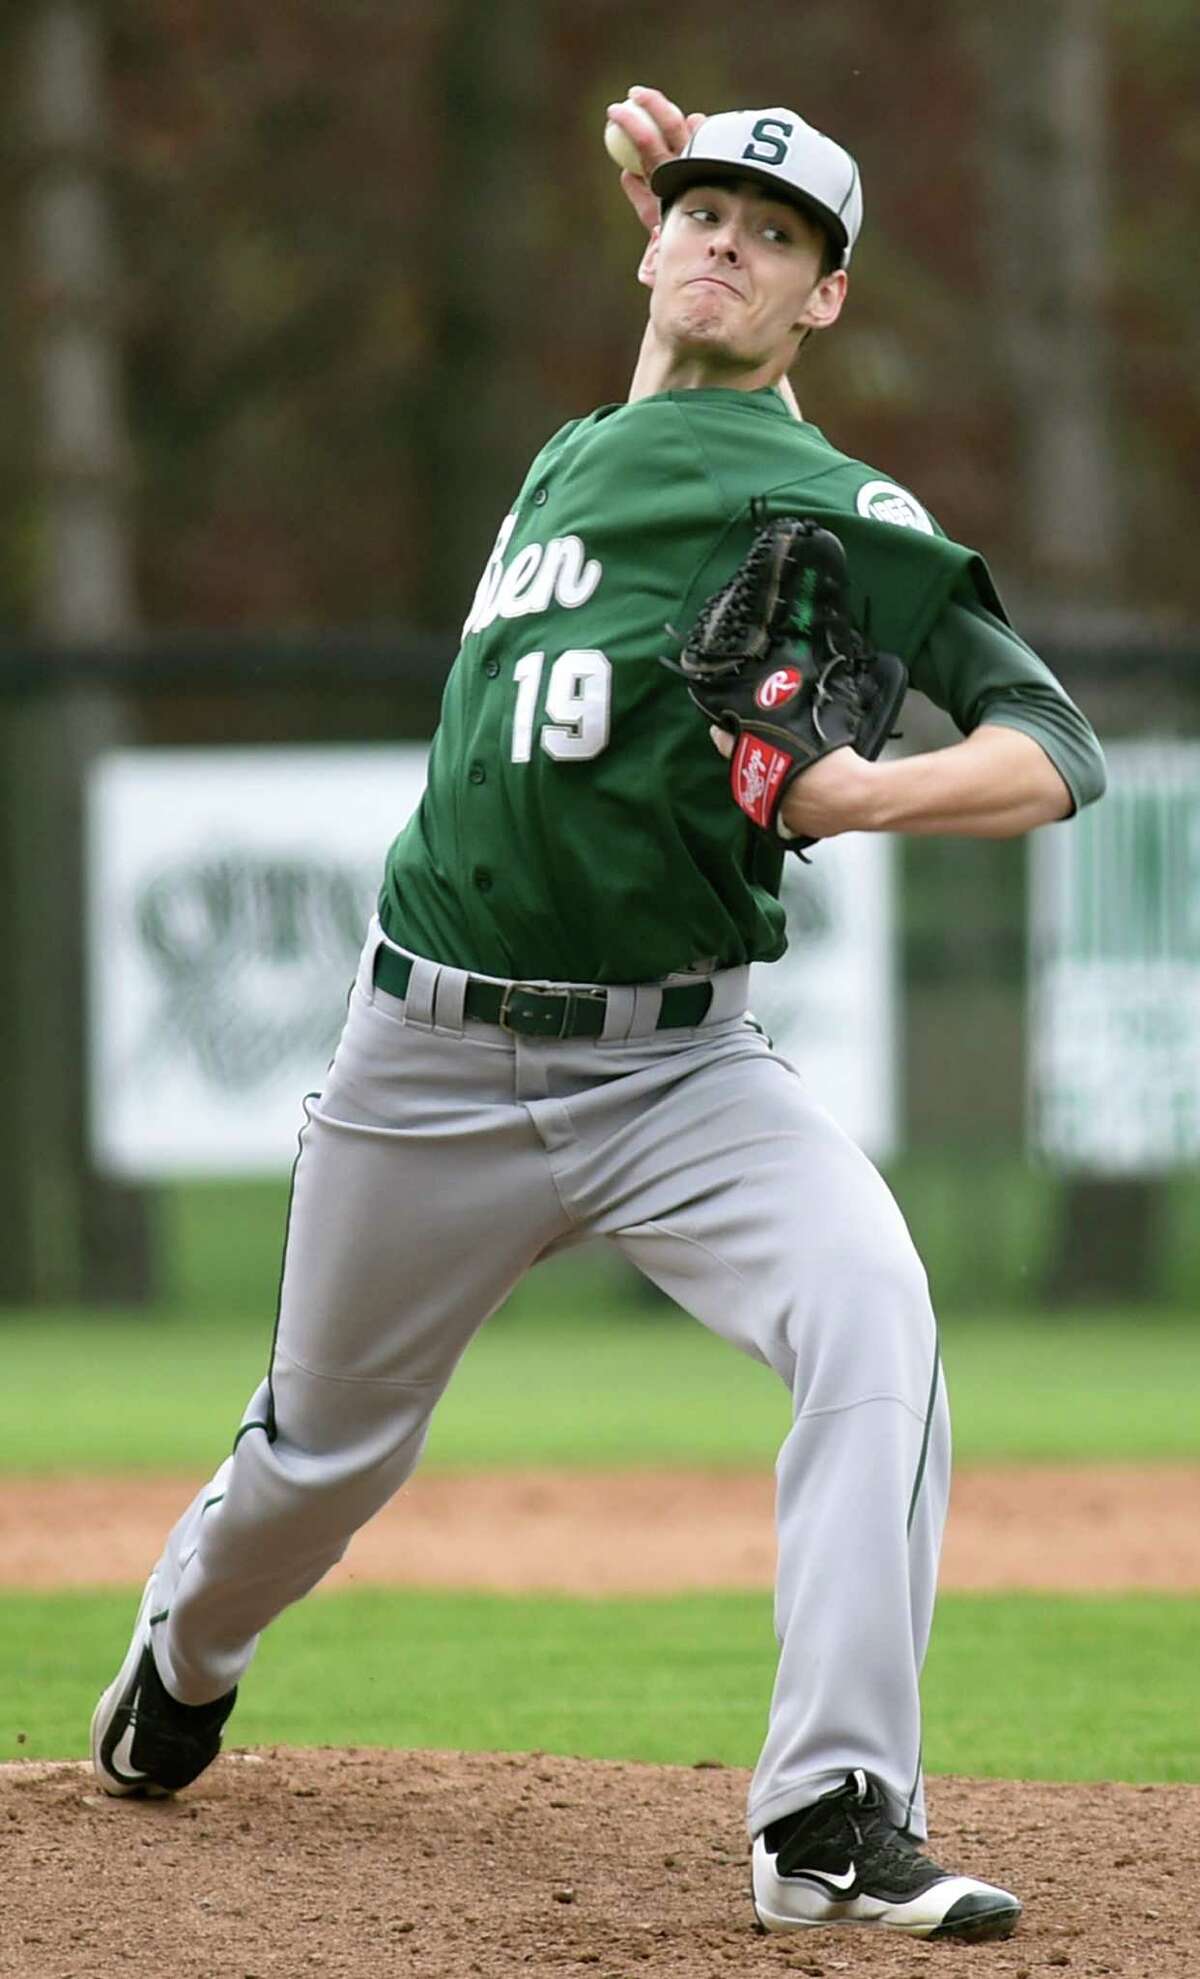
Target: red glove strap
756	772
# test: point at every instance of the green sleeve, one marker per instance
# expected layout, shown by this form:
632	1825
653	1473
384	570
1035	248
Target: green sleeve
975	667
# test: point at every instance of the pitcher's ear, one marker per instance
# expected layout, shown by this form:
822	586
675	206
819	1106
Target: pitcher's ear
824	305
648	265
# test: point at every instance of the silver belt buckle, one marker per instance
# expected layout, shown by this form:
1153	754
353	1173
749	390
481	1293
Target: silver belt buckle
566	999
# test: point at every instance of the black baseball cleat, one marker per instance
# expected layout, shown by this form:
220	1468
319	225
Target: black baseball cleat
143	1740
842	1861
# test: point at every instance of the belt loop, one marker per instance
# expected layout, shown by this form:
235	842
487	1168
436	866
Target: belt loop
618	1015
647	1002
449	998
420	994
364	981
730	995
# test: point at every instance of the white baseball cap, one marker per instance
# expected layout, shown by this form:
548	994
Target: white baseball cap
775	148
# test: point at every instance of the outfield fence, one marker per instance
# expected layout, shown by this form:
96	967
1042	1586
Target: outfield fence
1005	1227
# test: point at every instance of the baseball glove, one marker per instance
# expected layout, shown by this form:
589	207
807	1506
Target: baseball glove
775	659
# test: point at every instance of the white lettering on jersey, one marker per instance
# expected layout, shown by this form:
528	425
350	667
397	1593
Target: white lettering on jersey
578	705
558	570
515	584
578	575
527	678
883	501
483	610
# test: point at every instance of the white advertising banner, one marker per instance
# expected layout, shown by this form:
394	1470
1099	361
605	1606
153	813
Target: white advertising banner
830	1004
1115	971
228	895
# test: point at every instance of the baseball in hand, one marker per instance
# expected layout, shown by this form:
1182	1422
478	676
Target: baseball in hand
621	147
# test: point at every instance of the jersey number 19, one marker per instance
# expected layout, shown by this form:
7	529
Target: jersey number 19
578	698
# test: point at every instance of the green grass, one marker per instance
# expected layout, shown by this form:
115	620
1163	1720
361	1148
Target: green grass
1080	1688
582	1368
1101	1387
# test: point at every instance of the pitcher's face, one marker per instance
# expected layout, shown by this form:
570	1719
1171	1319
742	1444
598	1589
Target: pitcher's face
737	274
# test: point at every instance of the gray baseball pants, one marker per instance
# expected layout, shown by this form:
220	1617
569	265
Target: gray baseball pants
442	1159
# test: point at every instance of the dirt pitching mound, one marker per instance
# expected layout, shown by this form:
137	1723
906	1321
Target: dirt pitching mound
439	1865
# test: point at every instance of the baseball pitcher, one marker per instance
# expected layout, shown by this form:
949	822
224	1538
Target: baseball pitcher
683	658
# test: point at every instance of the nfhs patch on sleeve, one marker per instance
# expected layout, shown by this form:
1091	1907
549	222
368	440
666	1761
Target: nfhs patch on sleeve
883	501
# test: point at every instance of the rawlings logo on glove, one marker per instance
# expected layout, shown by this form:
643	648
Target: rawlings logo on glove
779	687
775	659
757	774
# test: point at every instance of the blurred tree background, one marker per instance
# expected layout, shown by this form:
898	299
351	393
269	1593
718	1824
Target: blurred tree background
370	252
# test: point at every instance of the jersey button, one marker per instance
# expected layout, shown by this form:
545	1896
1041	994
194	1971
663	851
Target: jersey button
491	668
540	497
477	773
482	879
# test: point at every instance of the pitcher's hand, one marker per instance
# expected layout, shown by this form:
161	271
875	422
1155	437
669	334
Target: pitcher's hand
673	130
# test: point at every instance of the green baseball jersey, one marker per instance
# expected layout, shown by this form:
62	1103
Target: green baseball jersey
577	823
